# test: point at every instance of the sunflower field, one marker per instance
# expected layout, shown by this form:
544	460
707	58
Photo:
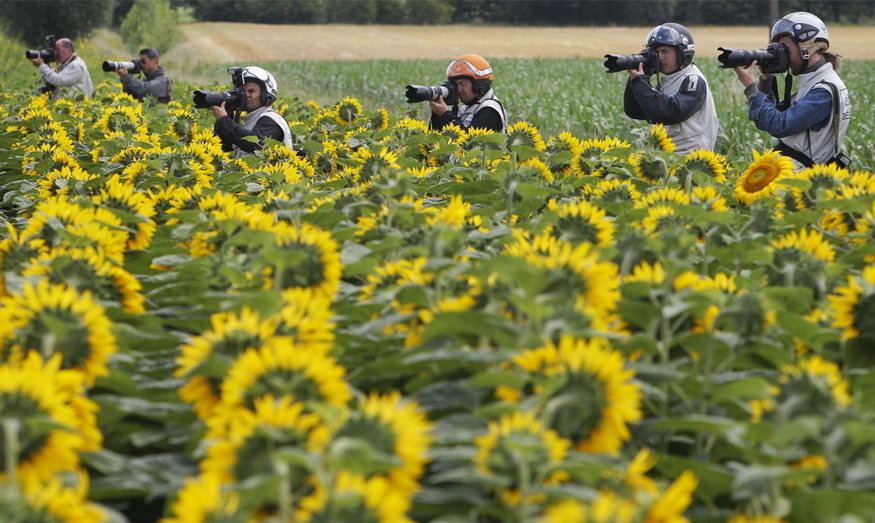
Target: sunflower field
395	324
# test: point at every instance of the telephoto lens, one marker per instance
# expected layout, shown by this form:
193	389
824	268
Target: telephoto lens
421	93
133	66
773	59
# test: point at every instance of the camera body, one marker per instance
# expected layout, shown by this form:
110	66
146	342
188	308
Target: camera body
48	54
235	99
422	93
133	66
773	59
615	63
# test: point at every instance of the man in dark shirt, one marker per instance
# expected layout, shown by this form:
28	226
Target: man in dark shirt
156	83
260	120
472	76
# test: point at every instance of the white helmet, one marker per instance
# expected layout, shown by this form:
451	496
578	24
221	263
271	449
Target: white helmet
256	74
806	29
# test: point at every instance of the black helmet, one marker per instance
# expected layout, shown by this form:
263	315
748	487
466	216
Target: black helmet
674	35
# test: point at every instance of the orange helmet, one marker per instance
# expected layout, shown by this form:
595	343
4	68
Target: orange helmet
473	67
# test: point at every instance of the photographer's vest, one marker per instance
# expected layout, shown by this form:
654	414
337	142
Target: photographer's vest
699	131
72	74
252	118
467	112
821	145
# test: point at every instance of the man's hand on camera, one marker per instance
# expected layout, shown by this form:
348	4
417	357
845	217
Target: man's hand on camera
745	74
219	110
635	73
38	61
438	106
121	71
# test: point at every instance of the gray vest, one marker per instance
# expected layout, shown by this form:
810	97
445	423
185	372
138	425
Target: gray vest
248	122
467	112
699	131
821	145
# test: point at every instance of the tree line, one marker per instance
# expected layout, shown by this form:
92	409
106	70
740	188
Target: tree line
30	20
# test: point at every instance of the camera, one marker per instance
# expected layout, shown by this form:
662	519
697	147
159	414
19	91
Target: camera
47	54
133	66
421	93
235	99
773	59
616	63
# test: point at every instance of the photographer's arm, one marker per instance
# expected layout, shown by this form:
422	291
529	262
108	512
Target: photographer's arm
812	111
233	133
674	109
158	86
69	75
630	104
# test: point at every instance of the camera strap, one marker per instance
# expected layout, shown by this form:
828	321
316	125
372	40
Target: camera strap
842	159
783	103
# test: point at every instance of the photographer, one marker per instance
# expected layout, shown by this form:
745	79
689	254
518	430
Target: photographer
472	77
71	70
681	101
811	124
260	121
156	83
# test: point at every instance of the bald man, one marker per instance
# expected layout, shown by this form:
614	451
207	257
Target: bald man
71	71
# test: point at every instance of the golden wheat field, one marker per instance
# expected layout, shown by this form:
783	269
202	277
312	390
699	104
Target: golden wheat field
224	42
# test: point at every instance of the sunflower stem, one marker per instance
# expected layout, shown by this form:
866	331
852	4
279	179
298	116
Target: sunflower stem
285	488
523	470
10	448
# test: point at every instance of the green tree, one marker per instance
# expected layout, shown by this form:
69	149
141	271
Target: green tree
31	20
151	23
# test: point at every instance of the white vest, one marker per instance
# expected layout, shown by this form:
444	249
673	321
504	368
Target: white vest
467	112
699	131
820	145
249	121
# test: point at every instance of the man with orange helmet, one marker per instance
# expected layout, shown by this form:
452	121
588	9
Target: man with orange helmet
472	76
682	100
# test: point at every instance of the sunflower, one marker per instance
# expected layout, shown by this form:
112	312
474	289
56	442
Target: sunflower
662	196
244	444
380	119
28	393
471	140
853	306
646	273
699	282
15	254
660	217
657	138
53	500
674	501
280	368
800	258
392	426
615	191
355	498
347	110
535	166
823	177
202	499
564	144
397	273
498	456
117	120
371	162
582	221
324	119
592	372
124	197
744	518
577	274
649	166
453	215
708	197
88	270
524	133
207	357
312	261
757	180
81	226
57	319
703	161
307	319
